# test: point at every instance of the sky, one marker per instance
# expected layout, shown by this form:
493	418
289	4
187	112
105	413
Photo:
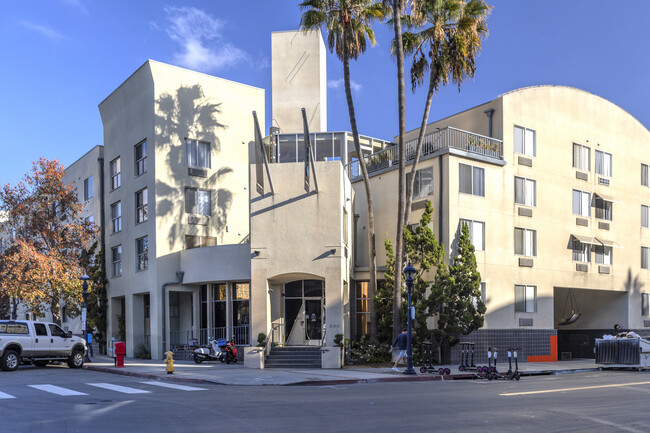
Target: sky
61	58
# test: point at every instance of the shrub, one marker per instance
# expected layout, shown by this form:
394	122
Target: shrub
141	352
368	351
260	339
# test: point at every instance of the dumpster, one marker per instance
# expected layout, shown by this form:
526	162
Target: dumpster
623	352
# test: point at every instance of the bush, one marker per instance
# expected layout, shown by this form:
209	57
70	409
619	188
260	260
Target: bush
141	352
260	339
368	351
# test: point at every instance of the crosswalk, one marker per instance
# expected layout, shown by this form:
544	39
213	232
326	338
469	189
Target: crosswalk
86	389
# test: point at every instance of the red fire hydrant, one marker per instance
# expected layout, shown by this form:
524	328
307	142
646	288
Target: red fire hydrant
120	351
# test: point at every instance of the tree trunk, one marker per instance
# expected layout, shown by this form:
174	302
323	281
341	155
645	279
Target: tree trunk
401	193
372	251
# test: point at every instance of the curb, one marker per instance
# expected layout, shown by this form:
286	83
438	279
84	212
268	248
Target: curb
160	377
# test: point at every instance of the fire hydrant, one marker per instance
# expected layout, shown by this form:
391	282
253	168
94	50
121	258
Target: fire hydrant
169	360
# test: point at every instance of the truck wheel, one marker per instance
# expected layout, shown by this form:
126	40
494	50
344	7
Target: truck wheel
76	360
10	360
40	363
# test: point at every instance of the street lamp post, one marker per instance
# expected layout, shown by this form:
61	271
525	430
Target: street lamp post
409	272
84	319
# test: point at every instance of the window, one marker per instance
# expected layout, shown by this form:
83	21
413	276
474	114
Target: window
40	329
116	216
141	206
240	307
197	201
603	208
524	141
581	203
525	242
525	299
645	216
197	153
645	304
581	157
603	254
88	188
603	163
363	308
117	260
483	290
116	173
472	180
644	175
142	253
581	252
423	185
645	257
525	191
476	233
55	331
192	241
146	300
141	158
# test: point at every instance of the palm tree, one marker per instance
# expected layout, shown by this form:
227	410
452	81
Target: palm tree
446	49
347	24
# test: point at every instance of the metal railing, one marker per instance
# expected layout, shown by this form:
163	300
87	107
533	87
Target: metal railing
240	334
445	138
275	336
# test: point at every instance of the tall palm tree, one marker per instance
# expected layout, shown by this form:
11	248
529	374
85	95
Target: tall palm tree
347	24
446	48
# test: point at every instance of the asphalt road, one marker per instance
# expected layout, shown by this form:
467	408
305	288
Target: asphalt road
31	401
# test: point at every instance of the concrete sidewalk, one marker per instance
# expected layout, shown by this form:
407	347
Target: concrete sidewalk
237	374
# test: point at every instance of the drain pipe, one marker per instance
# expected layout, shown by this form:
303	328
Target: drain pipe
489	112
179	281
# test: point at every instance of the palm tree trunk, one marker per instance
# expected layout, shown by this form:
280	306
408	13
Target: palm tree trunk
372	251
418	149
401	193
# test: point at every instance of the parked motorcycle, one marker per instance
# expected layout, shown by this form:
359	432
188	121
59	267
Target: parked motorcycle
218	350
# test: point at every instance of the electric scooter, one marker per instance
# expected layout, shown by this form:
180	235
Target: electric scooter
512	375
465	363
427	358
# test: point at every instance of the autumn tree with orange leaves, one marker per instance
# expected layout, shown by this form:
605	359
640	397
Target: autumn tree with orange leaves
50	243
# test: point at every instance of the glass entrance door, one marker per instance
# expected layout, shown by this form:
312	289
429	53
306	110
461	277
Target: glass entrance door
303	312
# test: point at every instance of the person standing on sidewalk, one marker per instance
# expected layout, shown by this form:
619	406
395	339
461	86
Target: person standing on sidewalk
401	342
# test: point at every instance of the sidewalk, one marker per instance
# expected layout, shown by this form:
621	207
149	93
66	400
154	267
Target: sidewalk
237	374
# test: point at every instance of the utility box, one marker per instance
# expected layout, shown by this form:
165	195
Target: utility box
120	352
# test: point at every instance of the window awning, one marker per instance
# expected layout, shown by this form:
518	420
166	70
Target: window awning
608	243
587	240
607	198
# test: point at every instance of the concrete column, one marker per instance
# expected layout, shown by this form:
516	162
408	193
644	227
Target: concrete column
333	305
129	324
259	303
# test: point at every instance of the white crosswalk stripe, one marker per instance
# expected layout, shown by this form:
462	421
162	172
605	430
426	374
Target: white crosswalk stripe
4	395
174	386
57	390
119	388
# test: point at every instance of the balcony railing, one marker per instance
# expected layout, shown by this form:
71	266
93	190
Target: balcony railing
445	138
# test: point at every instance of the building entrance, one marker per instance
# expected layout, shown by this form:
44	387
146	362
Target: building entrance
304	312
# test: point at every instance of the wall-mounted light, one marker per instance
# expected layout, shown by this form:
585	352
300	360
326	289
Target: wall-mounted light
333	251
256	252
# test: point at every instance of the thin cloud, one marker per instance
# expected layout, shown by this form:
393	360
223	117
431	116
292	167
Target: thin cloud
202	46
46	31
339	84
77	4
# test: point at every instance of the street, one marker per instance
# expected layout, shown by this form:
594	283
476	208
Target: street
58	399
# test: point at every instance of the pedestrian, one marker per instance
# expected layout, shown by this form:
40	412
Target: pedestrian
401	342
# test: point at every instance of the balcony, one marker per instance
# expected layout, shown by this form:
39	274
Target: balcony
441	140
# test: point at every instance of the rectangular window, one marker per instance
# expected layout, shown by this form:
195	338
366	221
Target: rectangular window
116	216
363	308
197	153
88	188
141	158
197	201
603	209
603	163
525	242
142	253
141	206
603	254
581	252
476	233
644	175
423	186
525	191
472	180
645	304
117	260
192	241
645	257
581	157
116	174
524	141
525	299
645	216
581	203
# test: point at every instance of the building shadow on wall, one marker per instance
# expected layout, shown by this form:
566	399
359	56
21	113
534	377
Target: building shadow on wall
181	115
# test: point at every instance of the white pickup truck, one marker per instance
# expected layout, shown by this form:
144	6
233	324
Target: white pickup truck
38	343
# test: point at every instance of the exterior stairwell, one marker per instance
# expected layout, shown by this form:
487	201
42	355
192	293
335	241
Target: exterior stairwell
294	357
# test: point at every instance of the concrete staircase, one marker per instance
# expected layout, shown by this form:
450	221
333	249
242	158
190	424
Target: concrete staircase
294	357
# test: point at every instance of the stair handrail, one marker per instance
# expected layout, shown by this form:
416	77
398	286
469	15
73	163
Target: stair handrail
269	341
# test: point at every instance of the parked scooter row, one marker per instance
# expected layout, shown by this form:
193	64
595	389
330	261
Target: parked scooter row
427	361
491	373
217	350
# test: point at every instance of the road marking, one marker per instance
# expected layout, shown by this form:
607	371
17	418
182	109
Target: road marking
118	388
174	386
3	395
575	389
53	389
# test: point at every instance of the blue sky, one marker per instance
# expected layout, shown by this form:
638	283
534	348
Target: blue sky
61	58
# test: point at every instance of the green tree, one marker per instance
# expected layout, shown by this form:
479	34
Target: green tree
445	41
97	299
384	299
347	25
456	294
